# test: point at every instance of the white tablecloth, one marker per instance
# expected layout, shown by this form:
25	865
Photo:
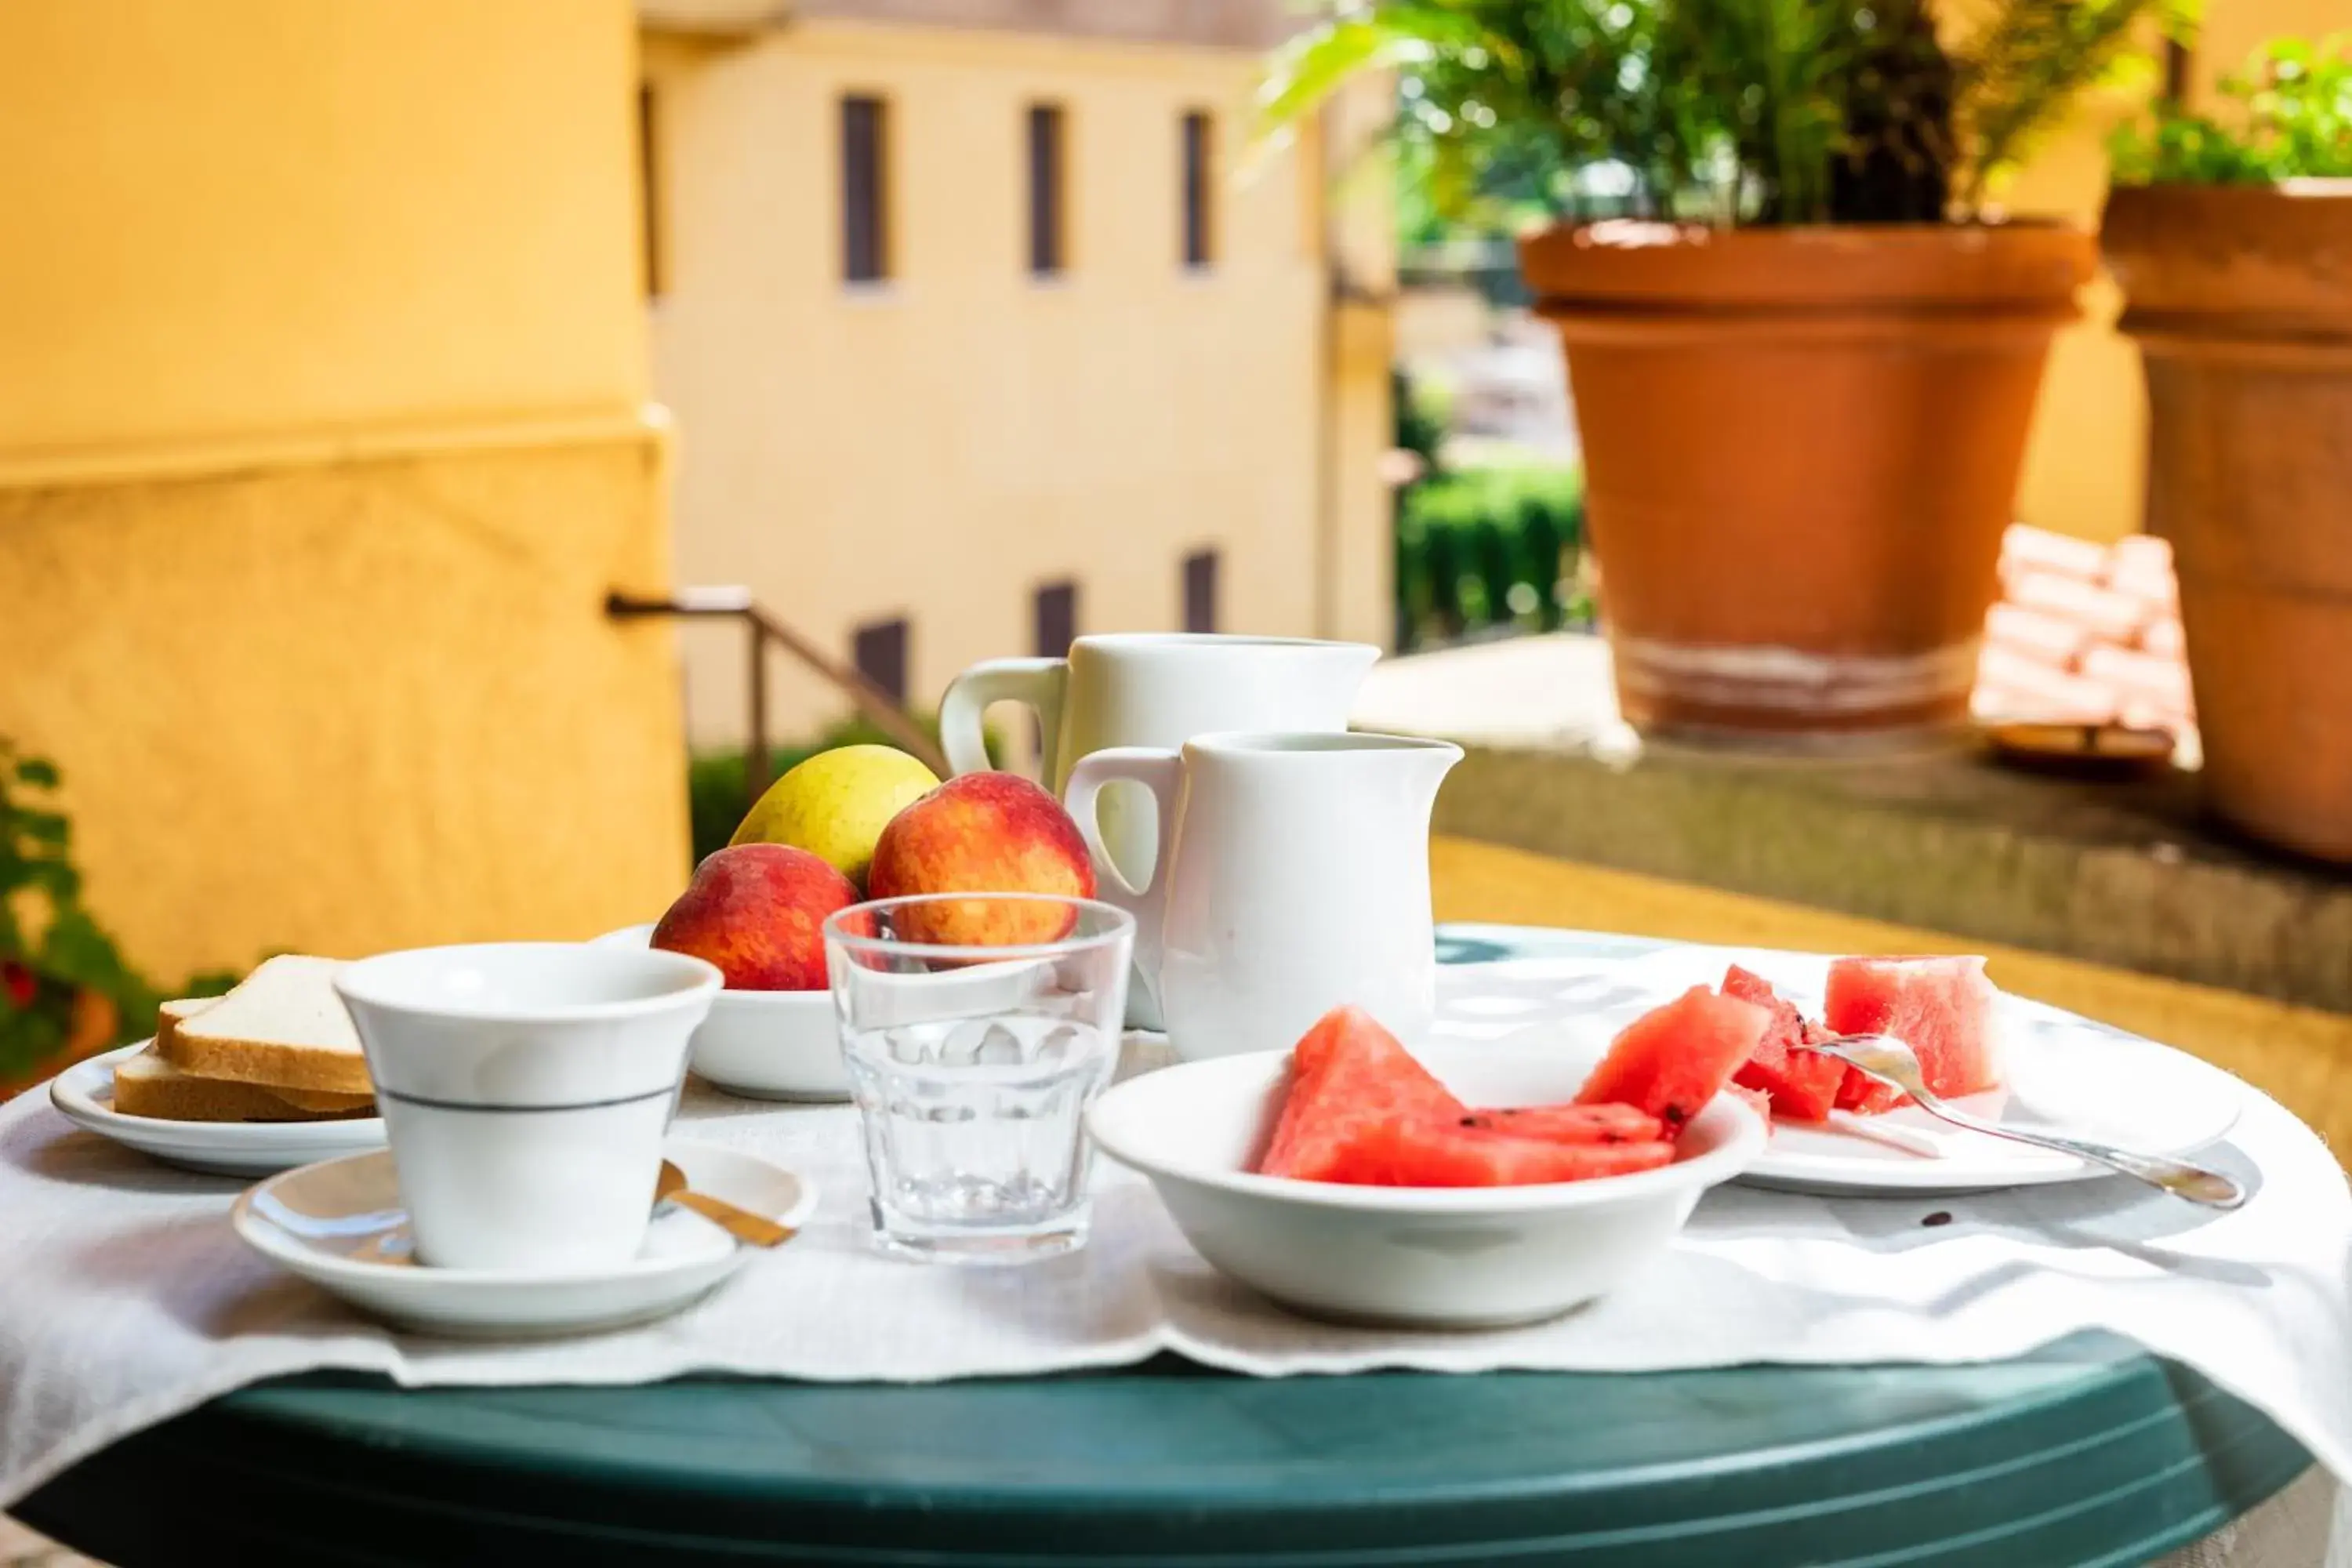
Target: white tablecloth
125	1299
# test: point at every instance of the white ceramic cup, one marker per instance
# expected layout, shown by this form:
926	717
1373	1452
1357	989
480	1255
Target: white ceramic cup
526	1088
1152	689
1292	876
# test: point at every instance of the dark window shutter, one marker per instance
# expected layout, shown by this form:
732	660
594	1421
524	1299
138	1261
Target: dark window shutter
1199	175
865	144
879	651
1057	611
1047	166
1200	591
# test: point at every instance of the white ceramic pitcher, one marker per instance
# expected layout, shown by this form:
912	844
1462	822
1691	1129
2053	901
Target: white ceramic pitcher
1292	876
1152	689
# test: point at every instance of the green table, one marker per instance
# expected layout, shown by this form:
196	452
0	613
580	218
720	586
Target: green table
2088	1452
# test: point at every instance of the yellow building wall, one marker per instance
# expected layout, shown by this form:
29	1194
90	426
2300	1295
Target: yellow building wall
940	445
244	217
323	436
2086	467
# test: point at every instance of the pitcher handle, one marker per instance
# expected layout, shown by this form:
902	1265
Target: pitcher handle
1160	772
1034	683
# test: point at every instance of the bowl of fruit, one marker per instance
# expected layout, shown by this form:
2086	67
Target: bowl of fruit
846	825
1459	1185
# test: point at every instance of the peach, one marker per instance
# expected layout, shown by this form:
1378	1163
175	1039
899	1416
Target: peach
757	910
983	833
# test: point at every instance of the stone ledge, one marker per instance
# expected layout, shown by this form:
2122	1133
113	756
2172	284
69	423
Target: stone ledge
2121	874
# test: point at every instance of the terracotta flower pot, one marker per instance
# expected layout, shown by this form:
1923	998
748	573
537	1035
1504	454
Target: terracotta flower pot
2241	298
1801	446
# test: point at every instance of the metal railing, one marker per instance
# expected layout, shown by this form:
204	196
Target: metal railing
735	603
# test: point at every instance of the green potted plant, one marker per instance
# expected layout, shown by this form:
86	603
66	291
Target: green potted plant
1804	348
2232	238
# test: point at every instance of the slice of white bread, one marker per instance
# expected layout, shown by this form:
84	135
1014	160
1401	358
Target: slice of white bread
168	1019
284	1028
171	1014
147	1085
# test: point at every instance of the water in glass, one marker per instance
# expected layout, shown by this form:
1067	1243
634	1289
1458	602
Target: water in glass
972	1073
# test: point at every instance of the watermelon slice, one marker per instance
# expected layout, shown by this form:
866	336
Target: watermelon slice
1865	1096
1941	1007
1409	1154
1673	1059
1799	1084
1573	1123
1349	1075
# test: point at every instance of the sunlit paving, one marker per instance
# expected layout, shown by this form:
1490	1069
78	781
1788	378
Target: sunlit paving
1142	783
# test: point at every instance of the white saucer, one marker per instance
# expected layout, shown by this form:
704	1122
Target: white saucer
341	1226
84	1095
2066	1075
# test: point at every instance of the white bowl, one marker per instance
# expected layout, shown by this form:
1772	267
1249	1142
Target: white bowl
525	1089
762	1045
1428	1256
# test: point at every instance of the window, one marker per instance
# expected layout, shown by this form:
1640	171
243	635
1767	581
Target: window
1200	591
1200	158
1048	164
879	651
649	189
864	190
1057	613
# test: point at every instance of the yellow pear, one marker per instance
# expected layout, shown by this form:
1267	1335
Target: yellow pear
835	804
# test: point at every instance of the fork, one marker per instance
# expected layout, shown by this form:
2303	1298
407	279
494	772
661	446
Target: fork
1890	1061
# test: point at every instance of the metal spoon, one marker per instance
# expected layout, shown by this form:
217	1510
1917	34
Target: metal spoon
739	1222
1890	1061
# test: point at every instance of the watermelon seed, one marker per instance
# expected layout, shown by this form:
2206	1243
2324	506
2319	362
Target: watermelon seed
1941	1217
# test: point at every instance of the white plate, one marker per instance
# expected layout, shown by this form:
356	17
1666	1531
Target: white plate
1427	1256
340	1225
2066	1074
84	1095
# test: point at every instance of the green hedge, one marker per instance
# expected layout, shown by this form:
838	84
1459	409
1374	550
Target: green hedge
1489	547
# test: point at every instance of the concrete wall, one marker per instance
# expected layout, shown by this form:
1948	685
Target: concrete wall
938	447
323	434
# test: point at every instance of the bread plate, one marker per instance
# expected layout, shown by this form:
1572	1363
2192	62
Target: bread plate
84	1095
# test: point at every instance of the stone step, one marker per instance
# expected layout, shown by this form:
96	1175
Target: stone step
2128	874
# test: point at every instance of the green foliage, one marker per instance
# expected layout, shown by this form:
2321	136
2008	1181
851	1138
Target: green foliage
1419	420
51	948
1729	111
2022	70
715	785
1895	163
2290	117
1489	547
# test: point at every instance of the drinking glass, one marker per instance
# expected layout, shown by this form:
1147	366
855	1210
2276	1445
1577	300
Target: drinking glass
975	1029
